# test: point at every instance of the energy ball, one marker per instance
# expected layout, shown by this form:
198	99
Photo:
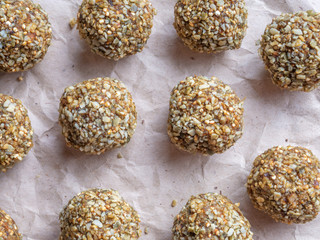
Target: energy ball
99	214
284	183
211	26
205	116
97	115
115	28
15	132
25	35
8	228
289	48
211	216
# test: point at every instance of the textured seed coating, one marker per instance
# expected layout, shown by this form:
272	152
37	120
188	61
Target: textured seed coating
290	49
115	28
25	35
97	115
8	228
16	132
211	216
211	25
205	116
99	214
284	183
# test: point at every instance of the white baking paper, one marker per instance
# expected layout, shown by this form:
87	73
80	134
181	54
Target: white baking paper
152	171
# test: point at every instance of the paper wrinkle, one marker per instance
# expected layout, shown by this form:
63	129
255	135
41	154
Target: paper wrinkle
152	171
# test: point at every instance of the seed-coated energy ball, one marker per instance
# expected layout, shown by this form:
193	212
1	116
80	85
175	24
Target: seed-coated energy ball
8	228
25	35
97	115
211	216
289	48
100	214
211	25
15	132
284	183
115	28
205	116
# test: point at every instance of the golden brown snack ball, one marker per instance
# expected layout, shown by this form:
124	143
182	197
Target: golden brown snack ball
289	48
211	216
101	214
16	132
8	228
115	28
205	116
211	25
97	115
25	35
284	183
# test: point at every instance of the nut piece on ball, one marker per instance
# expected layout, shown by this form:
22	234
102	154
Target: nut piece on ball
211	26
284	183
25	35
15	132
211	216
97	115
205	116
115	28
289	48
8	228
100	214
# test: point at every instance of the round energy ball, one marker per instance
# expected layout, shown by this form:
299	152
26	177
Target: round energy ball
97	115
25	35
115	28
211	216
8	228
211	26
284	183
100	214
15	132
289	48
205	116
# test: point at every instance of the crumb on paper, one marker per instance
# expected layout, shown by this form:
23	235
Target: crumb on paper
174	203
119	155
142	122
72	23
146	231
20	78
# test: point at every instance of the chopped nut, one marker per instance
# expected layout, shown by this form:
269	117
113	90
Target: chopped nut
72	23
174	203
119	155
20	78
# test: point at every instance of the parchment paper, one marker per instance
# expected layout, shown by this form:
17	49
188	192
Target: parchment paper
153	172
